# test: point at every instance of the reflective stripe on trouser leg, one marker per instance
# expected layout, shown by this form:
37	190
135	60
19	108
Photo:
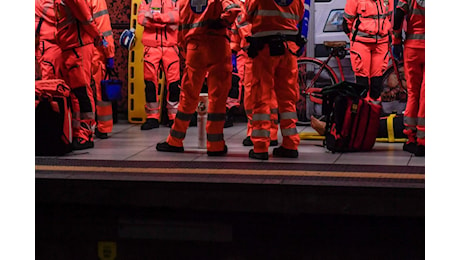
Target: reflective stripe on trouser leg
421	115
287	93
274	121
414	64
77	74
103	108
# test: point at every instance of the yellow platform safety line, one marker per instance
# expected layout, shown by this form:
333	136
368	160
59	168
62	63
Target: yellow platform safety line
136	85
106	250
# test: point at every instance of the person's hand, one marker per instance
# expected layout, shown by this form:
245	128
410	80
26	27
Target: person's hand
398	51
110	64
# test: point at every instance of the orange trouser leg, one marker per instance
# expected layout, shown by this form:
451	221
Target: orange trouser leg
204	54
248	100
263	71
414	115
171	66
103	108
287	93
49	57
152	57
77	74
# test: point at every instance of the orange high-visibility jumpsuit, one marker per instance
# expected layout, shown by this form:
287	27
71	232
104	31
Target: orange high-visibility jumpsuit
76	35
47	52
369	24
414	67
240	29
203	36
101	54
274	71
160	19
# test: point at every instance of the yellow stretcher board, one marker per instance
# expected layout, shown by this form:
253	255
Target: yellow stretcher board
136	85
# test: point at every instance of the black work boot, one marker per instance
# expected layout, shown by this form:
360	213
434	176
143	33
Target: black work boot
420	150
150	123
410	147
165	147
101	135
218	153
259	156
283	152
247	141
81	144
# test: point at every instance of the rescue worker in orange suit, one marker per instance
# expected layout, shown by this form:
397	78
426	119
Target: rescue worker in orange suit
368	24
102	62
77	34
160	19
47	52
274	44
240	29
414	70
203	37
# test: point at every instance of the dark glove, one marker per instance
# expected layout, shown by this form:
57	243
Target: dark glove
217	24
398	51
109	64
235	69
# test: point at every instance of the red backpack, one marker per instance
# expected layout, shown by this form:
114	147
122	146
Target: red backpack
53	118
352	123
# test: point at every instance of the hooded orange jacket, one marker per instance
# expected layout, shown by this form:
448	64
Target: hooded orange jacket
414	11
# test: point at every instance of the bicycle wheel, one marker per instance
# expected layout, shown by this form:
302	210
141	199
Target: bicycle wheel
313	75
394	94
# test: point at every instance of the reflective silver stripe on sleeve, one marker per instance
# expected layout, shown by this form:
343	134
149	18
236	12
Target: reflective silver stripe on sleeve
87	115
404	6
289	131
260	133
261	117
176	134
288	115
100	13
231	7
107	33
268	33
216	117
215	137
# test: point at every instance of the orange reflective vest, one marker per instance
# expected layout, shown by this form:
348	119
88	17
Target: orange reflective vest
102	19
197	16
160	19
414	10
277	17
369	20
75	24
45	20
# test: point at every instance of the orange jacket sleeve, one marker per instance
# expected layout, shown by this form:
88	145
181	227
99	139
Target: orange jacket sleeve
350	12
231	9
102	19
82	13
145	18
